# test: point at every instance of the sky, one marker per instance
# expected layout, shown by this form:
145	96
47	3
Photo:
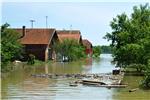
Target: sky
91	18
75	0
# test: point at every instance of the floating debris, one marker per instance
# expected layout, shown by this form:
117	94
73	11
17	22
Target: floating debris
133	90
73	84
101	80
78	76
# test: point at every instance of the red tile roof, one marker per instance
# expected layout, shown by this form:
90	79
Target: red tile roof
37	36
87	43
69	34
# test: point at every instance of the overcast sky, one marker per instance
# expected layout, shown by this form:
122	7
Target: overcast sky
91	18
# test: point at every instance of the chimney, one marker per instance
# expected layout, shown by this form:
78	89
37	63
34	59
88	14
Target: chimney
23	31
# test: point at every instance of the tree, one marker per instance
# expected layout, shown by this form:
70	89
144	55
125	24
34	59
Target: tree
146	80
106	49
131	40
131	37
69	49
96	51
11	48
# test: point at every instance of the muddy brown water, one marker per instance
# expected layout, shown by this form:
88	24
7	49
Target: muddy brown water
19	85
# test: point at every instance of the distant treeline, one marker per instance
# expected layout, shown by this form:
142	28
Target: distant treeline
106	49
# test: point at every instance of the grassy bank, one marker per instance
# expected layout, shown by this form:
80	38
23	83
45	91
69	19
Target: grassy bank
133	72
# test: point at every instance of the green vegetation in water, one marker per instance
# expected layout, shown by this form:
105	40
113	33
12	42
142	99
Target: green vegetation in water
146	81
31	59
131	40
11	49
96	51
6	67
69	49
38	62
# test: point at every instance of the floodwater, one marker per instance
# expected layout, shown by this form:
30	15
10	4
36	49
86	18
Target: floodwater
19	85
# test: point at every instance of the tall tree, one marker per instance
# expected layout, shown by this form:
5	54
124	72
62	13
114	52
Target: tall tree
11	48
131	37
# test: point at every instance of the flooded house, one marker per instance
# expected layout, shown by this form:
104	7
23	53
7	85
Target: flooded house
39	42
68	35
88	45
76	35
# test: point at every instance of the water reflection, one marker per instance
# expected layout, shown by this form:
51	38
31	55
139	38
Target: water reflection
61	68
46	69
103	64
88	65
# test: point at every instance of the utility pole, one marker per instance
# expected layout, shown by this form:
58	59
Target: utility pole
70	29
32	21
46	22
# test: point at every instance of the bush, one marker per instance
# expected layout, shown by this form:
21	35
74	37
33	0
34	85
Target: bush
31	59
138	67
146	80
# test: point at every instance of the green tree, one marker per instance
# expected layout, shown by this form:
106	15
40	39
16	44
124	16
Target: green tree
146	80
130	37
70	49
106	49
96	51
11	48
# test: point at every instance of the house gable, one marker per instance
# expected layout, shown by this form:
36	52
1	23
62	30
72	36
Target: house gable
69	34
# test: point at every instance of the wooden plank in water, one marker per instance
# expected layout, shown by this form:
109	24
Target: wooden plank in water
92	82
113	86
107	86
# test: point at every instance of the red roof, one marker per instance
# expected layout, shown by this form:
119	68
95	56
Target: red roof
37	36
87	43
69	34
